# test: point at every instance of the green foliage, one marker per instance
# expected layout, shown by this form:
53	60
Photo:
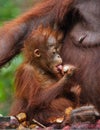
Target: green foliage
8	10
6	84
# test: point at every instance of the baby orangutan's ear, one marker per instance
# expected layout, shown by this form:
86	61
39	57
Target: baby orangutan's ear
37	53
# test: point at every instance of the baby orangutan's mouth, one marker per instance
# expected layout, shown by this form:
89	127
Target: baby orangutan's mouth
59	68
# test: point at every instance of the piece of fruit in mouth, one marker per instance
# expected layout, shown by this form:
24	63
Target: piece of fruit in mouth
59	68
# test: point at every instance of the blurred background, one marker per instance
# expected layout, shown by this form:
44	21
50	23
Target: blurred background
10	9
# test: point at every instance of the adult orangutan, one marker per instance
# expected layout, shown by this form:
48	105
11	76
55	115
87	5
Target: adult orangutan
80	22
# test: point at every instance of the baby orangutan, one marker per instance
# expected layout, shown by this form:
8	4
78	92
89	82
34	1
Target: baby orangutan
42	90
